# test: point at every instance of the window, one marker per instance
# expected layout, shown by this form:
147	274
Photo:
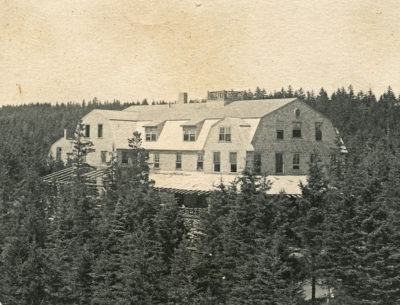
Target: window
178	164
100	130
279	130
151	134
156	160
58	153
69	157
217	161
224	134
87	131
296	129
189	134
233	161
200	160
296	161
318	131
279	163
103	156
124	157
257	163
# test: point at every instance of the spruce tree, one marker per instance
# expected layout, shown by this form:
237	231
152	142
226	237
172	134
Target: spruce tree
310	223
23	265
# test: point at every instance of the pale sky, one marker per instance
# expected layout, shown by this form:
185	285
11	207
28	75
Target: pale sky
69	50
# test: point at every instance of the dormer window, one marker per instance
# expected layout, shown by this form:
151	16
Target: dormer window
224	134
151	134
189	134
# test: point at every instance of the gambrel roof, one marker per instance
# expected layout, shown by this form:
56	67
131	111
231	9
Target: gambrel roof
171	119
201	111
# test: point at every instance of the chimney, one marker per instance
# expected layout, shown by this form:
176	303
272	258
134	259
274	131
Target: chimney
65	133
182	98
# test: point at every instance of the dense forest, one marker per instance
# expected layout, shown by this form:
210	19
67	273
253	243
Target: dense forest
64	244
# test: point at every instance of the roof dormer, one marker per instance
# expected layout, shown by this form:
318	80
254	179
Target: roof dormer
189	133
153	130
191	130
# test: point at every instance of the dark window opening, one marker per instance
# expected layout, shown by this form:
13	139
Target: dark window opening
69	158
233	161
217	161
100	130
103	156
58	153
279	134
124	157
296	161
189	135
156	160
257	163
225	134
178	163
279	163
296	130
151	134
200	160
87	131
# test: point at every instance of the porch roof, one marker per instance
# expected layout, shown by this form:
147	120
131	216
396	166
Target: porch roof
192	182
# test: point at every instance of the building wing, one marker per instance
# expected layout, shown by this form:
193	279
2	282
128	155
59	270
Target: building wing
173	118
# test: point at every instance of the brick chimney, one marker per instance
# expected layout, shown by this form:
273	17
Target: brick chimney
182	98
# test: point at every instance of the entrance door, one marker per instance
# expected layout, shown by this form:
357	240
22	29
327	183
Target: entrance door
279	163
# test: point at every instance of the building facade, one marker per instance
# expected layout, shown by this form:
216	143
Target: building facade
273	137
61	150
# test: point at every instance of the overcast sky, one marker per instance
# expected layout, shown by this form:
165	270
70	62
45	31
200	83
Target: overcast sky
63	50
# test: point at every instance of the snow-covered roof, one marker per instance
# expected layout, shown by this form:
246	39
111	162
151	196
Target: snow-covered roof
238	109
192	182
198	181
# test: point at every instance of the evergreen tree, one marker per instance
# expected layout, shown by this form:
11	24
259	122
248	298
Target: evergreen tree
310	223
181	287
23	265
81	149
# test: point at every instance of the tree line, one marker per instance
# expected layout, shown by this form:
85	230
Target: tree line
64	244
